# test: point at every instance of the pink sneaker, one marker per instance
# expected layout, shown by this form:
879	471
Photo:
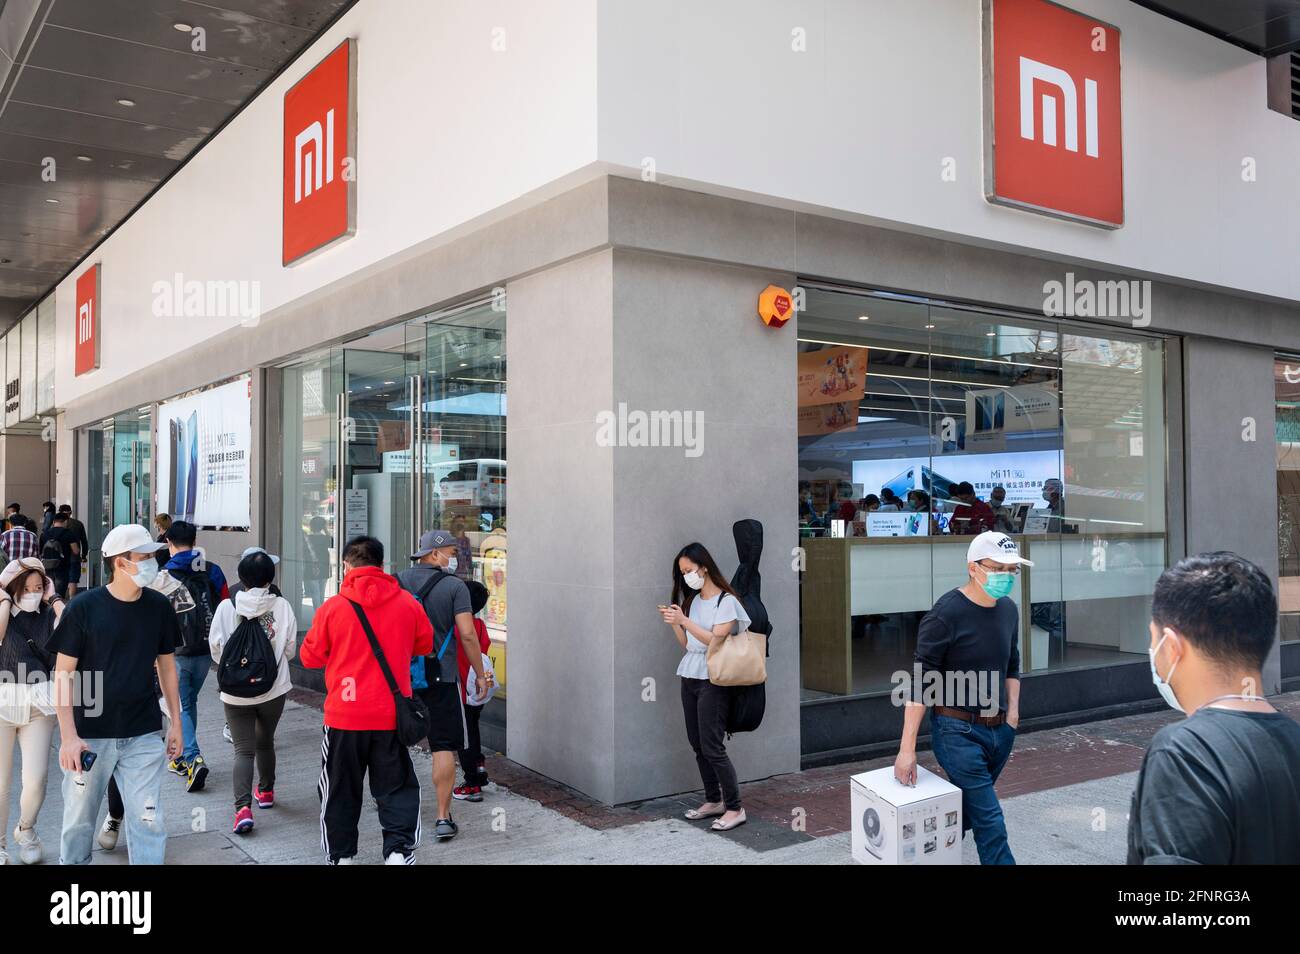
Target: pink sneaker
243	821
264	799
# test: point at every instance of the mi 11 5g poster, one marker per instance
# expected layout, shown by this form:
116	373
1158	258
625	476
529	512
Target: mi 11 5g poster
204	456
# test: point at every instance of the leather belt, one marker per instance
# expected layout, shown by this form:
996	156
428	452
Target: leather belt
965	716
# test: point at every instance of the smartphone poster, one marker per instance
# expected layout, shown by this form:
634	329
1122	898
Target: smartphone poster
204	456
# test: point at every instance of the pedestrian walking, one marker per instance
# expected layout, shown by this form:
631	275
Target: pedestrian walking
472	764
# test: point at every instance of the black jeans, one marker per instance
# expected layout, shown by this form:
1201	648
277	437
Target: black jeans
252	728
705	707
471	757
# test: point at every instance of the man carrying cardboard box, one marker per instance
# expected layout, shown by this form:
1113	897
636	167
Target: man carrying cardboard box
968	662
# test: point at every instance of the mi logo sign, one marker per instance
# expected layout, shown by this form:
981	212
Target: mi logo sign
311	172
1032	71
86	340
320	123
1052	122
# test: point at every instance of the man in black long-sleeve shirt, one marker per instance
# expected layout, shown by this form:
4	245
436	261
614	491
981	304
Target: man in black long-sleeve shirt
968	663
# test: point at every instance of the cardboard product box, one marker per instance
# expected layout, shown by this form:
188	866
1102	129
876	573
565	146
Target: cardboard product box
896	824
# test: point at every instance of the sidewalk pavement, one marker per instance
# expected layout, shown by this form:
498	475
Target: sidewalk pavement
1065	794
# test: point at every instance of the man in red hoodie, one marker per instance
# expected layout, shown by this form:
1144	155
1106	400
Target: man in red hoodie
360	713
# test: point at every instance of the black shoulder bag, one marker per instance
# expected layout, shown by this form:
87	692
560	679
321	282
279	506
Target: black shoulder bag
412	717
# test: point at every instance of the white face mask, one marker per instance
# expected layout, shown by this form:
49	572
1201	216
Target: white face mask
452	564
30	602
1163	686
145	573
693	580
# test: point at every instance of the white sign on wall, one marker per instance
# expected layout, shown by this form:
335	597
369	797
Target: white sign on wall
204	456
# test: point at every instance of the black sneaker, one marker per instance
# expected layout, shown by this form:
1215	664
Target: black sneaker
198	774
445	829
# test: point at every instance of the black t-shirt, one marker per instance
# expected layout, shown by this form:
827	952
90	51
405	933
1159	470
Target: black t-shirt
981	643
64	538
121	641
1222	787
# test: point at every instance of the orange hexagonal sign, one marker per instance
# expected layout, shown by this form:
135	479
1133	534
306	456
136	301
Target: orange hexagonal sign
775	306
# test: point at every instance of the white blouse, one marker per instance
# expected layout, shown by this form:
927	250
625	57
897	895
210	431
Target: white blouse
707	614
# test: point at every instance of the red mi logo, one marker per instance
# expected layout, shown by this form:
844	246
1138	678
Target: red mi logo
320	189
86	349
1053	131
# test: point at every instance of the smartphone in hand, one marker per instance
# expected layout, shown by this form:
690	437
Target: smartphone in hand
87	760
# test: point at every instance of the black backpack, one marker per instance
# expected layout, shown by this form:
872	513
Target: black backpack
52	556
195	604
248	665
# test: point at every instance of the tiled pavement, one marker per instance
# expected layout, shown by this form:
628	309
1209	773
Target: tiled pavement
1041	761
1054	789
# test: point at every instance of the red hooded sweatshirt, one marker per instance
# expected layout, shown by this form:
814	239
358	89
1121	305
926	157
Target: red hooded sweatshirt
357	696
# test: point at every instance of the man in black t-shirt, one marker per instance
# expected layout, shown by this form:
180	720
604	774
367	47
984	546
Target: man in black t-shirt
1221	787
109	642
968	664
69	550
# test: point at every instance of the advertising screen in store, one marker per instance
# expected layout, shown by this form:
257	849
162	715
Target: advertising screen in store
204	459
1022	474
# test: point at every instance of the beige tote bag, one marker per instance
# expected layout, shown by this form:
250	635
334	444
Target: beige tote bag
739	659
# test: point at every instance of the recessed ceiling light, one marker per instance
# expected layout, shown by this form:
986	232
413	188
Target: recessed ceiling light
390	382
85	159
5	261
183	27
126	102
52	201
864	317
464	365
990	334
929	327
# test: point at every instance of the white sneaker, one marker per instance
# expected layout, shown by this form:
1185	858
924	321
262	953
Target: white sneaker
397	858
29	846
108	833
346	861
4	857
225	734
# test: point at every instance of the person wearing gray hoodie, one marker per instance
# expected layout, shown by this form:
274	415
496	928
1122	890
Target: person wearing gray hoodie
253	720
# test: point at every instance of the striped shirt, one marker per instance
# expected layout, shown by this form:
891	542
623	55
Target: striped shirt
18	543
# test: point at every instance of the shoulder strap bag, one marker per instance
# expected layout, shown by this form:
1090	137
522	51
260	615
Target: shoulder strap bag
738	659
412	717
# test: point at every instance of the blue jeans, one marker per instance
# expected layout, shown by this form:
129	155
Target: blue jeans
192	671
973	755
137	764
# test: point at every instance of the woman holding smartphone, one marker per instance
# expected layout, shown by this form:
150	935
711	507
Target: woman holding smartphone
703	607
29	610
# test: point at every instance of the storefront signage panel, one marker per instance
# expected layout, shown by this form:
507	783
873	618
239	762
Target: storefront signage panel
204	456
86	334
1053	132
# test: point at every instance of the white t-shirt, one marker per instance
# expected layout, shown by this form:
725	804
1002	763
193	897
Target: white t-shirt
708	613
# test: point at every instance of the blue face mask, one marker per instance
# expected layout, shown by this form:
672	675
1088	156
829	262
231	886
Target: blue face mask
1163	686
145	573
998	585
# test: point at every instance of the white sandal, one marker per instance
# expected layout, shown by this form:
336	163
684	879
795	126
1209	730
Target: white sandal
694	814
720	825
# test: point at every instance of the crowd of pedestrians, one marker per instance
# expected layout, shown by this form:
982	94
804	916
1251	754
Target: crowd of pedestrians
119	670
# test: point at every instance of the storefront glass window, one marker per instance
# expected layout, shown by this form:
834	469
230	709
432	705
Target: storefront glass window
1286	384
921	425
394	434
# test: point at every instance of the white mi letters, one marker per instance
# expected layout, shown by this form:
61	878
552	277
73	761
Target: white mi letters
1031	71
313	160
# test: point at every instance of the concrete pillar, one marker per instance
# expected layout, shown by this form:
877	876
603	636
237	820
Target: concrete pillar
25	472
1232	481
594	701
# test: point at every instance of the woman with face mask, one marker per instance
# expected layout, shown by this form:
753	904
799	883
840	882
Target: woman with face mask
703	607
29	610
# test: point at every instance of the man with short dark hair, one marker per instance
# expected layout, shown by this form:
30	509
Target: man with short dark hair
1223	785
59	550
83	544
360	711
18	541
196	586
973	516
437	586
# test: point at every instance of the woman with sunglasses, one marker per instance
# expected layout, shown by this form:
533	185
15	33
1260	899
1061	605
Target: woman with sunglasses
29	611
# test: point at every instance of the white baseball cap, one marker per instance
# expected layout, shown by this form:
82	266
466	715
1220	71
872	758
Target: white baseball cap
129	538
251	550
991	545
